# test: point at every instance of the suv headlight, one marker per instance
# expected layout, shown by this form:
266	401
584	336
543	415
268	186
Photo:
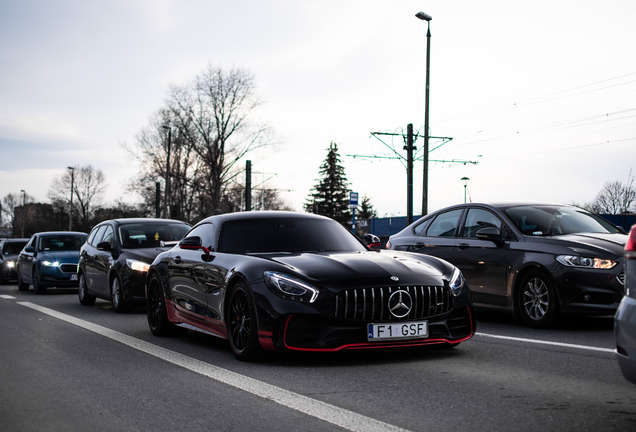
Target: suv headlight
457	282
583	262
50	263
138	265
289	287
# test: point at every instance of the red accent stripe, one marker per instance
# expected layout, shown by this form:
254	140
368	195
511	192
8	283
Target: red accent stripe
366	345
210	325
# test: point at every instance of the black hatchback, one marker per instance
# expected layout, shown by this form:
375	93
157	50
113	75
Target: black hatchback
114	261
539	261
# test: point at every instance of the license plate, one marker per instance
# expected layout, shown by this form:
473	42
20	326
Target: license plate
73	277
403	330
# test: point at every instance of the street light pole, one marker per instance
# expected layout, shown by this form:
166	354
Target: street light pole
427	18
70	210
167	191
465	181
23	209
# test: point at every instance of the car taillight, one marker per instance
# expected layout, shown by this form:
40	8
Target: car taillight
388	244
630	246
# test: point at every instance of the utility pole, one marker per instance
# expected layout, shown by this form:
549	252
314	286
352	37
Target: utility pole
167	191
248	185
409	173
157	200
70	210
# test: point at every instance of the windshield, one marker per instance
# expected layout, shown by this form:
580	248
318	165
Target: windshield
13	248
286	235
557	220
142	235
61	242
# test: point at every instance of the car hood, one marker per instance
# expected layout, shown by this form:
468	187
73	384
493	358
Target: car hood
68	257
368	268
586	243
146	255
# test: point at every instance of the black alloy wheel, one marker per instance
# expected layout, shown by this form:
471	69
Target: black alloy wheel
156	309
84	297
537	301
116	295
37	284
242	326
21	285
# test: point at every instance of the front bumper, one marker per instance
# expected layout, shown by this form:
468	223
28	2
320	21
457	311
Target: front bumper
54	277
590	292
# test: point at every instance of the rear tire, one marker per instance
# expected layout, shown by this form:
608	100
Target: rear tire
21	285
84	297
156	309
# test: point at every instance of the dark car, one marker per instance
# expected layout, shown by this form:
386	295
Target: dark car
625	319
302	282
539	261
114	261
9	251
50	260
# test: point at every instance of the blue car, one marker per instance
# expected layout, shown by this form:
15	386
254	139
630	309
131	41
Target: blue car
50	260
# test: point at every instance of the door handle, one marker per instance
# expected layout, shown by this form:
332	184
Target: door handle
177	259
463	245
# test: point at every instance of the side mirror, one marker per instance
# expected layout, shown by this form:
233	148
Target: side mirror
29	249
193	243
104	246
372	241
489	233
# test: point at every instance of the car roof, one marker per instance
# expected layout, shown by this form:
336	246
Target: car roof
47	233
267	214
126	221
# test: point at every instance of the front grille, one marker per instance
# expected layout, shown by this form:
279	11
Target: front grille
621	277
372	303
68	268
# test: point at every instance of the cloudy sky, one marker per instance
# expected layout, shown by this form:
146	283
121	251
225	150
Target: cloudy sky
541	94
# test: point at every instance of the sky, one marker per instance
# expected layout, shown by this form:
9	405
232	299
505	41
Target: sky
541	95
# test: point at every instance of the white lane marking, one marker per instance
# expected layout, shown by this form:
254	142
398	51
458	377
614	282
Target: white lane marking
566	345
8	297
330	413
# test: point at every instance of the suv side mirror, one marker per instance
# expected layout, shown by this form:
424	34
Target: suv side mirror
104	246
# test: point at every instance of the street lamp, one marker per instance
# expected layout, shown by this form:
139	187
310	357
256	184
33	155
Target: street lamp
70	210
23	217
465	181
167	191
427	18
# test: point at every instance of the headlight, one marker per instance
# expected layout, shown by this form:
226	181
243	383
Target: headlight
290	287
583	262
10	264
457	282
138	265
50	263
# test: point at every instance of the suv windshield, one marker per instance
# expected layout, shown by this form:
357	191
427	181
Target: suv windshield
557	220
141	235
286	235
61	242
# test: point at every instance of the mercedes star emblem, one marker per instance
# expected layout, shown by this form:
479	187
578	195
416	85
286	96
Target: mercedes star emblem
400	304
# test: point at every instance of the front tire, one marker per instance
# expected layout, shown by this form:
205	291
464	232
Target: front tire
85	298
537	301
21	285
116	296
242	325
37	284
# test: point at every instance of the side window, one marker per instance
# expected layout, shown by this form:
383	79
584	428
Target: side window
97	235
478	219
444	224
421	228
206	232
109	235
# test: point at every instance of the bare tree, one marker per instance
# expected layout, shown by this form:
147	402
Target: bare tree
616	198
214	113
153	148
89	185
9	203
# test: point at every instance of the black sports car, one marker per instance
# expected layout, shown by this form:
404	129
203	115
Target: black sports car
295	281
539	261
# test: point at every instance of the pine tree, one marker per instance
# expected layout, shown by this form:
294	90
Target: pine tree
365	210
330	196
